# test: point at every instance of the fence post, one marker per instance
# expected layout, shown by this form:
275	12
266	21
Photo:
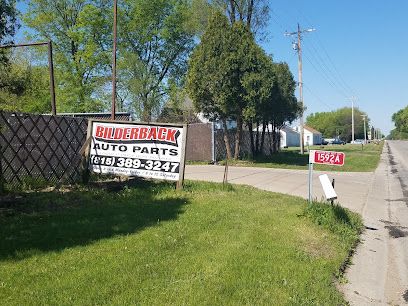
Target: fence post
1	172
213	142
85	155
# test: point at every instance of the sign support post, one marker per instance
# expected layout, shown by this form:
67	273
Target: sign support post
325	158
310	182
180	182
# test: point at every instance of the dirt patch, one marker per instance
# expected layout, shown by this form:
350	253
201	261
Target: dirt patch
405	296
394	170
396	231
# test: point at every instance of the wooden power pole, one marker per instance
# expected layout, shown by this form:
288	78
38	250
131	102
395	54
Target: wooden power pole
115	27
298	48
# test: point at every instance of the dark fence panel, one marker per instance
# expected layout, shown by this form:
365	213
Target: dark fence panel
245	150
40	147
202	145
199	142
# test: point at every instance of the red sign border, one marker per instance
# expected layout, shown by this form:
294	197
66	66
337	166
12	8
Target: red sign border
313	161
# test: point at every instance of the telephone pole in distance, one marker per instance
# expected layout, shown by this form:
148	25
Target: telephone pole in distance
365	131
298	47
352	118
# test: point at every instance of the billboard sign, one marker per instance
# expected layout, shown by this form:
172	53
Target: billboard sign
326	157
137	149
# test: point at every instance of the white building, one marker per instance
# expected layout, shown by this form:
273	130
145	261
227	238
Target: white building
289	137
311	136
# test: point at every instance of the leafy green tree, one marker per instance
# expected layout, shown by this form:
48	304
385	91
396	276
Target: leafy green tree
8	25
338	123
275	105
24	87
156	39
219	70
284	106
81	33
253	13
400	120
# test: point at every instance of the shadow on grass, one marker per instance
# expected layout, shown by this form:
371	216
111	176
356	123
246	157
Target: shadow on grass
53	221
341	215
285	158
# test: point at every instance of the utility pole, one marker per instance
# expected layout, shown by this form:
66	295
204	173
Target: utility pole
115	26
365	133
298	48
352	118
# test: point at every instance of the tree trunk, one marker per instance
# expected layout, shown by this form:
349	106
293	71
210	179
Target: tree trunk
250	12
232	11
264	125
257	138
270	142
275	138
226	139
251	136
238	136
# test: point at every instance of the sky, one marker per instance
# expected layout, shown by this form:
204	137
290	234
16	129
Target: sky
358	49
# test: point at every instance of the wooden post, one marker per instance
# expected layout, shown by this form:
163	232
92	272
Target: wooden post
85	156
2	189
225	180
332	201
182	166
52	81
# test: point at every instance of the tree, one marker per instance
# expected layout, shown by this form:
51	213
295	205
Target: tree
218	68
8	25
23	86
253	13
81	33
400	120
338	123
275	104
156	39
285	107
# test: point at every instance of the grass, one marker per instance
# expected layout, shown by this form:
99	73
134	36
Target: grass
147	244
357	159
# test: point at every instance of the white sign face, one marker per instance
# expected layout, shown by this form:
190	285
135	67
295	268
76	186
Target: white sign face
150	151
327	187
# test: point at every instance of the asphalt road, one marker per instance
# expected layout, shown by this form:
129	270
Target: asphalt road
379	271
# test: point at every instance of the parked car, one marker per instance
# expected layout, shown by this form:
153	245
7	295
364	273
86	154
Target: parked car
358	141
338	142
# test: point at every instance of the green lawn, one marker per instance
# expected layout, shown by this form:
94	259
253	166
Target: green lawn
147	244
358	158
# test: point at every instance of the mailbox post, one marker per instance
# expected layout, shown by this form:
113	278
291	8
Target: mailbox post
324	158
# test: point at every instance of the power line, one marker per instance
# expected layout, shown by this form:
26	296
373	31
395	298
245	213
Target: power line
324	74
332	73
298	47
329	107
327	70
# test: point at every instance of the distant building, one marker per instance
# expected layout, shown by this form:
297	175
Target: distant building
311	137
289	137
